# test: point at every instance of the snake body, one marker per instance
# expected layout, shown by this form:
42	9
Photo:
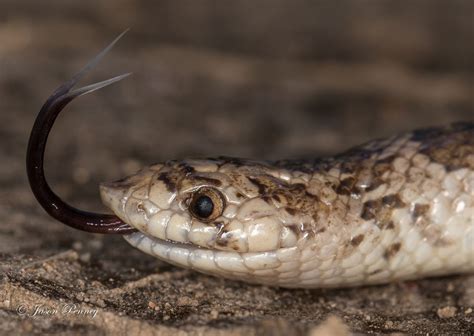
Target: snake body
391	209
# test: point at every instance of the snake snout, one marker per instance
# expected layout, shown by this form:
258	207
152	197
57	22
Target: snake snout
112	194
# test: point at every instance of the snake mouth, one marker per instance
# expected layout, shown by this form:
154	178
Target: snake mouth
185	255
256	267
138	237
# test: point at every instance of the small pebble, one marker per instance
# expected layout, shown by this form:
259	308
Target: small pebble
85	257
332	326
80	296
214	314
187	301
447	312
48	267
80	283
388	324
100	303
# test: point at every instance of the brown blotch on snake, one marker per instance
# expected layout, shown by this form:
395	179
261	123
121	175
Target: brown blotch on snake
390	225
260	184
377	182
451	146
392	250
291	211
348	187
357	240
186	168
420	209
370	209
208	180
393	201
168	181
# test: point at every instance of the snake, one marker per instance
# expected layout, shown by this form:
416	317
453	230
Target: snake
392	209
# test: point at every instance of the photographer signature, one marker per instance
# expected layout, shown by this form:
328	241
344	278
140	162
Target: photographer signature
41	310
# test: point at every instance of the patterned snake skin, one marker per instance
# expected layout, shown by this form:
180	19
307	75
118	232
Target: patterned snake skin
400	208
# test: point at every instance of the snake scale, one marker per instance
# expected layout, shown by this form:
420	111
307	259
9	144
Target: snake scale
392	209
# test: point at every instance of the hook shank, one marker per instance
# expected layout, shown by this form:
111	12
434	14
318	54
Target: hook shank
52	203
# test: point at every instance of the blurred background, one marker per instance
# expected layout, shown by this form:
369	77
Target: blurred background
267	79
272	79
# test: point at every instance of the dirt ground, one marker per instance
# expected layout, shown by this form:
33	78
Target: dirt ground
277	79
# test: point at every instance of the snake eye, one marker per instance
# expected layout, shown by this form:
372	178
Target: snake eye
207	204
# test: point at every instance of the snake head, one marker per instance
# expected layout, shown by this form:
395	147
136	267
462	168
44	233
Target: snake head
233	218
223	204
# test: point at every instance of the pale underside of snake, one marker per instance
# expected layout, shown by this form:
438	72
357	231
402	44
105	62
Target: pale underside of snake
393	209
